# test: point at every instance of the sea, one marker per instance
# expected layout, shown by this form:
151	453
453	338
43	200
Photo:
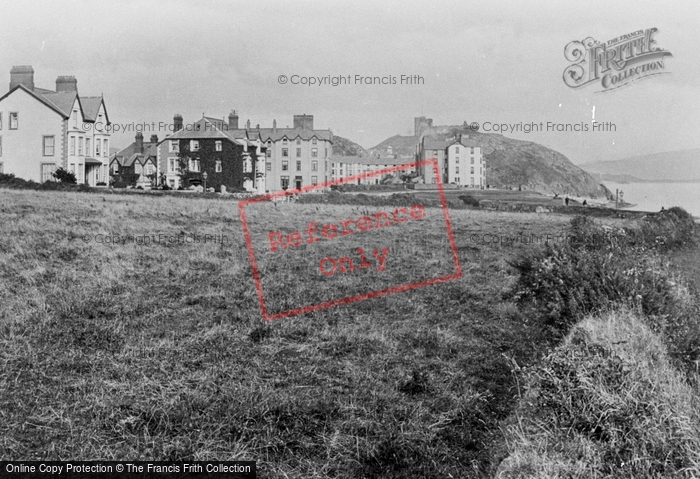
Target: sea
652	196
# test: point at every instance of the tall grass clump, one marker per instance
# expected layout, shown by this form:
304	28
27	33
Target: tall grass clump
598	268
605	403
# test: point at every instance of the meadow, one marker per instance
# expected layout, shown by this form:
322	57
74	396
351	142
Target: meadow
123	339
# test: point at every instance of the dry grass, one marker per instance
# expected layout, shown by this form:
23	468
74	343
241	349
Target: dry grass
158	351
606	403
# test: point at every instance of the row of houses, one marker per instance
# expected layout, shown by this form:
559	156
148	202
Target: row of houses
42	130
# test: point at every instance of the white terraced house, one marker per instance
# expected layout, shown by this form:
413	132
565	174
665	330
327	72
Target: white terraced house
42	130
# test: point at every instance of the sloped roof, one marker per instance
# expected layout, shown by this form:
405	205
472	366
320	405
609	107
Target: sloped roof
127	156
433	143
64	101
292	134
91	106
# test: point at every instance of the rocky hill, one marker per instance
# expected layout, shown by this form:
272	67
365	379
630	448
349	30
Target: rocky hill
344	147
512	163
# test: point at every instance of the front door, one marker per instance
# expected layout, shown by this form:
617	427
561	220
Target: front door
297	182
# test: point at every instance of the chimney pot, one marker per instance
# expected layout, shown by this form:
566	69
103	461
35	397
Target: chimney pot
177	122
139	143
66	83
154	138
22	75
233	120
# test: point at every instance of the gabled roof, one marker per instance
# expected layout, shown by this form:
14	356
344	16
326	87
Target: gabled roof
292	134
38	97
62	102
127	156
91	107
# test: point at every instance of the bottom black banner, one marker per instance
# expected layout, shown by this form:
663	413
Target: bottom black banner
126	469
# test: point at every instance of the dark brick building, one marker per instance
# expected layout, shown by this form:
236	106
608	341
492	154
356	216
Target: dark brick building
231	159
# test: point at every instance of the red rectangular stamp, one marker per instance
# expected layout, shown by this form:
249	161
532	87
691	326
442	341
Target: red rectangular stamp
311	255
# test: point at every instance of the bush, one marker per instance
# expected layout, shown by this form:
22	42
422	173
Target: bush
469	200
607	403
65	176
601	268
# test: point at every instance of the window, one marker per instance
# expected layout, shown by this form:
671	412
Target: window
472	170
138	169
314	141
173	165
456	149
326	153
174	145
298	152
149	169
48	146
14	120
88	144
472	160
115	167
105	147
314	180
268	167
193	165
435	153
97	147
285	151
0	120
314	152
456	170
80	146
247	165
314	165
284	182
47	170
285	165
298	165
99	123
472	150
268	152
194	145
298	141
75	118
284	141
218	145
72	145
72	168
218	166
2	170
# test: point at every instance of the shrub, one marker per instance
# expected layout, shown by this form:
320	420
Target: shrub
65	176
607	403
469	200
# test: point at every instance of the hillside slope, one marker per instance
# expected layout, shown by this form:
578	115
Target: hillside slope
680	165
513	163
344	147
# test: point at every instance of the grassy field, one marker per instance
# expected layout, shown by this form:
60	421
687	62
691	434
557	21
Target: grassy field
141	349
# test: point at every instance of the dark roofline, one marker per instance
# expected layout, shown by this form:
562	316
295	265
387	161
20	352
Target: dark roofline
37	97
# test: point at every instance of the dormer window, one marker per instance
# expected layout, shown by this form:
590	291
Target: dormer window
284	141
314	141
75	118
298	141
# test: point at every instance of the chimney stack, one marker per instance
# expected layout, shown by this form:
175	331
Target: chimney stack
233	120
154	138
22	75
304	121
177	122
139	143
274	126
247	125
66	83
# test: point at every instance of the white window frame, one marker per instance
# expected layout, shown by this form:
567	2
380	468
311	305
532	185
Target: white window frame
14	120
53	145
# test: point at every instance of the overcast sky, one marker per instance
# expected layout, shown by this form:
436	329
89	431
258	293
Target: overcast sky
499	62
